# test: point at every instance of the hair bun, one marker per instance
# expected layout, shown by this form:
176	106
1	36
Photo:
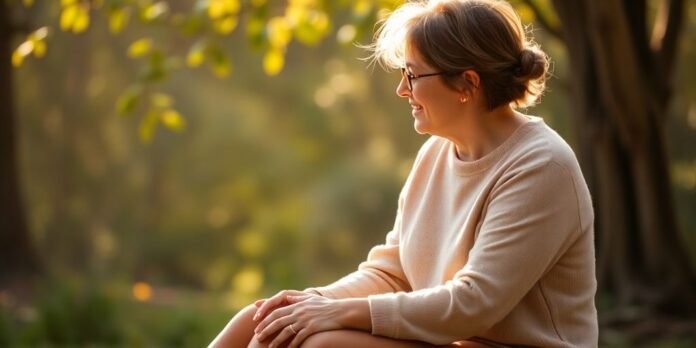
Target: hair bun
532	64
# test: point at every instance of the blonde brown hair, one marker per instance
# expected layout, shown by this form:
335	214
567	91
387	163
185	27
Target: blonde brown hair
456	35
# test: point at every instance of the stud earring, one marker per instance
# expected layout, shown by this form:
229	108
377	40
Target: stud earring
462	100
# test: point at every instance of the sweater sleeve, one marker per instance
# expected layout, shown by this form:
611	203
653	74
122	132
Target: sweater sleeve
531	218
380	273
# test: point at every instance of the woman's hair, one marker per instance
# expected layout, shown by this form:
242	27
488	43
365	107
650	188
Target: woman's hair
456	35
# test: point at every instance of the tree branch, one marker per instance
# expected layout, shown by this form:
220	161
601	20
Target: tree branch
665	36
543	20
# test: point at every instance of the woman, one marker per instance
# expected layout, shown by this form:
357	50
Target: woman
493	240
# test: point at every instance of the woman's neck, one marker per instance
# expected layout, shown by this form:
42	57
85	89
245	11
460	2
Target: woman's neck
483	133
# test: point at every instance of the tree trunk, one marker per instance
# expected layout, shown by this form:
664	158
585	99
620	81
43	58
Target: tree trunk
17	256
620	106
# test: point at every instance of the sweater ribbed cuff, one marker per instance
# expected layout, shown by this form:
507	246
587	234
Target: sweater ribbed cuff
384	315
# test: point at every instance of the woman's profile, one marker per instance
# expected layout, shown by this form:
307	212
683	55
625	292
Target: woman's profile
493	241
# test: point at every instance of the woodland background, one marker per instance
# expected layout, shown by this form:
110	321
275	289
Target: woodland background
164	163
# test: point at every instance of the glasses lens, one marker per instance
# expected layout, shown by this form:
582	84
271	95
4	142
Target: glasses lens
407	77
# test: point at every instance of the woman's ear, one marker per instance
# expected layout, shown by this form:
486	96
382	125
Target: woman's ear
471	79
468	85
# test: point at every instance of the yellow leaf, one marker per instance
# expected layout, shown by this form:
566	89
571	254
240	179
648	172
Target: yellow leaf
140	48
17	59
295	14
173	120
81	22
279	33
526	14
40	34
67	17
196	55
21	52
118	18
216	9
155	11
39	48
225	26
28	3
362	7
273	62
258	3
65	3
221	8
162	100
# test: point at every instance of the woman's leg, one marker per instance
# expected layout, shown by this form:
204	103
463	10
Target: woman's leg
353	338
238	331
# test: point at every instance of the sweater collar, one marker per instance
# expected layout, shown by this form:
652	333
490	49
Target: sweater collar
467	168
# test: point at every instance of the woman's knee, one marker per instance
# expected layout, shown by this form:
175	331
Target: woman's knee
322	339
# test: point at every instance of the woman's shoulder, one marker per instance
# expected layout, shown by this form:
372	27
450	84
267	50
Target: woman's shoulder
543	145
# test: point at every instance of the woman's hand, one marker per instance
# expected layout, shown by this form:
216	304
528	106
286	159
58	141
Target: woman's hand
280	299
307	315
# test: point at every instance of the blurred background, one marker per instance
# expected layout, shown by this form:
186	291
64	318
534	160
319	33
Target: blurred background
166	163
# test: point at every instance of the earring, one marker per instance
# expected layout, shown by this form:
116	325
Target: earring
462	100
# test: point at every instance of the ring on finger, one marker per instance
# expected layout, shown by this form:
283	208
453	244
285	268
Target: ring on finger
294	332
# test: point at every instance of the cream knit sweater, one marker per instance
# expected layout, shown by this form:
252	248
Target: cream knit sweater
501	248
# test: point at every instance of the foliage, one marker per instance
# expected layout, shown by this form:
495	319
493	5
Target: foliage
276	183
77	315
271	26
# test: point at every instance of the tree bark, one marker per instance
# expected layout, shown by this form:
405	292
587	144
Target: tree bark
620	106
17	256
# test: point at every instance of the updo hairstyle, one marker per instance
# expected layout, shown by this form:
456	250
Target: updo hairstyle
457	35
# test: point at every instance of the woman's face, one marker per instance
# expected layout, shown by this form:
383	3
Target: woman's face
435	106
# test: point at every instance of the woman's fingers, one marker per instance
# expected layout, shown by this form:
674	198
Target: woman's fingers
271	318
286	333
277	321
258	303
269	304
302	334
276	301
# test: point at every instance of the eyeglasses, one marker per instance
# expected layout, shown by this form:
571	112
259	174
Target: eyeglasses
410	77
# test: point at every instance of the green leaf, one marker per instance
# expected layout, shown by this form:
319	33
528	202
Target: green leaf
127	102
147	126
140	48
118	19
220	63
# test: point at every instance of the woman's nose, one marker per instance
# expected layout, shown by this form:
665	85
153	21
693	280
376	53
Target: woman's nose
402	88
